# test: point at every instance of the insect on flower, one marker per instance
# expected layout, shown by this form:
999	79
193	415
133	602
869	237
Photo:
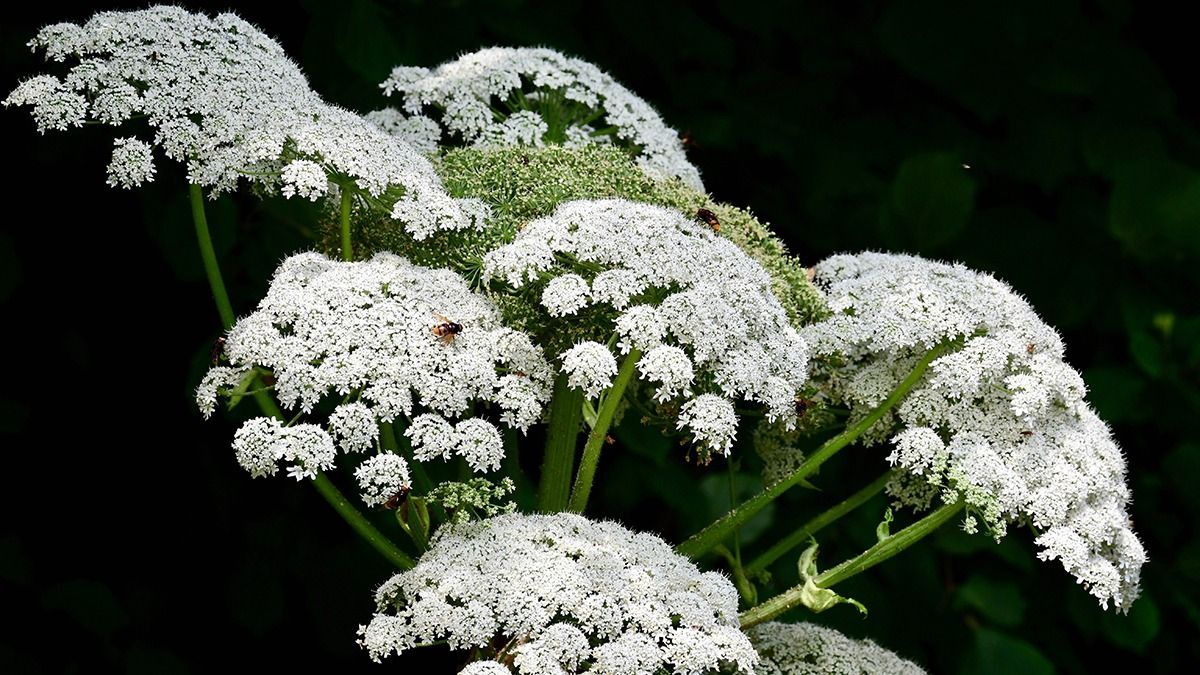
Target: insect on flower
218	348
397	500
446	329
802	405
708	218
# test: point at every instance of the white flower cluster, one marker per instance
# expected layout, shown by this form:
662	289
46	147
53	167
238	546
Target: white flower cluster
364	331
1000	422
514	96
132	163
567	595
263	442
477	441
589	366
224	98
810	649
699	308
382	478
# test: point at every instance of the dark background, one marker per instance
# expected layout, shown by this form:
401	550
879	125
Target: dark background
130	541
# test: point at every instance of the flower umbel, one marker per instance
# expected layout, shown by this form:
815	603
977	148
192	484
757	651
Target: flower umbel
1001	422
811	649
223	98
701	308
533	96
363	331
576	595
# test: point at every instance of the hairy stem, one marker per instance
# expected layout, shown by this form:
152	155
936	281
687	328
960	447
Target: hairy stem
807	530
566	410
703	541
209	256
878	553
595	440
347	245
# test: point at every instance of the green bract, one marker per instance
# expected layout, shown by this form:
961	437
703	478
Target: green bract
523	183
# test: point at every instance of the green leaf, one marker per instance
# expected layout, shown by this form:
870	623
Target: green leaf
1117	393
239	392
715	488
930	202
995	653
1149	353
90	603
1135	630
884	529
1155	210
814	597
1182	469
1011	550
1000	601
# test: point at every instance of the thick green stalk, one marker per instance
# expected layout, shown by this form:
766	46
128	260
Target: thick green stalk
703	541
878	553
595	441
209	256
347	244
807	530
566	410
267	404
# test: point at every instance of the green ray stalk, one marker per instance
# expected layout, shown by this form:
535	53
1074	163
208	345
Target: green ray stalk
878	553
328	490
595	441
704	540
807	530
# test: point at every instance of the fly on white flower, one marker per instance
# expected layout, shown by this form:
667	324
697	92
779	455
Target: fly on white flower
360	332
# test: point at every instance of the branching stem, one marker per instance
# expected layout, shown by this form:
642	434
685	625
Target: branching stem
599	433
704	540
864	561
328	490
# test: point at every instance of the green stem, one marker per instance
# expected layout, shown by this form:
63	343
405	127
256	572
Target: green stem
340	504
267	404
878	553
703	541
566	409
391	436
209	256
890	546
737	531
360	524
595	441
589	414
347	247
813	526
345	509
740	581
